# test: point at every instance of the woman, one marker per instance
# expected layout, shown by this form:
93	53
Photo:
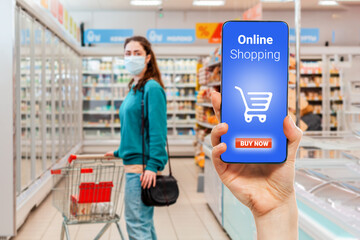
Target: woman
140	61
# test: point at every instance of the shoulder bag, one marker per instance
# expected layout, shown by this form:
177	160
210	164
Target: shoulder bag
166	191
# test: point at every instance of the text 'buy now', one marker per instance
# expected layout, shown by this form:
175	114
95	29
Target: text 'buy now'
253	143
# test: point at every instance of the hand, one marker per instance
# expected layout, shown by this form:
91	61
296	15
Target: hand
147	179
109	154
267	189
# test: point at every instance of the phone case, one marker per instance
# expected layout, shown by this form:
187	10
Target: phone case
254	89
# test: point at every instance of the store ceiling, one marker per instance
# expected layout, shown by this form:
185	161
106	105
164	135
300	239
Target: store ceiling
106	5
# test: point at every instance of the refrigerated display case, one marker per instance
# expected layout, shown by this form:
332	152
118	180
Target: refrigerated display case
105	86
48	108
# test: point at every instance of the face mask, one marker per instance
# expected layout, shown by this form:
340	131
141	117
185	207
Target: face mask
134	64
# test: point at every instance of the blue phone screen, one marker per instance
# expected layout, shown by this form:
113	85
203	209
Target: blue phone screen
254	91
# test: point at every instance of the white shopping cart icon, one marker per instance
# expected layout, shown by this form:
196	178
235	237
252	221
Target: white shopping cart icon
259	103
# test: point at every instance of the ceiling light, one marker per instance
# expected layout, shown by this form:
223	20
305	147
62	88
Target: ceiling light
328	3
208	2
145	2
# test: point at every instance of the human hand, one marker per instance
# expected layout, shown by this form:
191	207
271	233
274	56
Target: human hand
266	189
147	179
109	154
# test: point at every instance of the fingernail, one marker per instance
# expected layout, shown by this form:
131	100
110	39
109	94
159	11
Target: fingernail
222	125
292	124
220	145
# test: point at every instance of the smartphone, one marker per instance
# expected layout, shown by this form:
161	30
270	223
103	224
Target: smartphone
254	90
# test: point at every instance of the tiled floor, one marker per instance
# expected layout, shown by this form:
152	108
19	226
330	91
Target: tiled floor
189	218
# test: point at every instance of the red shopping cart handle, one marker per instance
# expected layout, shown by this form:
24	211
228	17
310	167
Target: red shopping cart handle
73	157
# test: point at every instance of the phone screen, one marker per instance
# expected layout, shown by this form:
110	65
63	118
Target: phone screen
254	90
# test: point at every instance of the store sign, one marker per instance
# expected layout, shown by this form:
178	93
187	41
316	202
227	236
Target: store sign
66	19
176	36
71	25
54	8
307	35
107	35
60	13
254	13
210	31
45	4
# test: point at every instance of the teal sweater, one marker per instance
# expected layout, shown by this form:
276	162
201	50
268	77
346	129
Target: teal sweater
130	149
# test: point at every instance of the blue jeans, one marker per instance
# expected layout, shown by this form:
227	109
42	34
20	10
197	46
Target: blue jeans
138	217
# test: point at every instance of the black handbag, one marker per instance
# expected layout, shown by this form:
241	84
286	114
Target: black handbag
166	191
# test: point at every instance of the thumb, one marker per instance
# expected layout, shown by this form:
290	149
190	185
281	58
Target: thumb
293	134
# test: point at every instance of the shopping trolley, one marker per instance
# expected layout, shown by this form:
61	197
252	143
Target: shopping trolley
261	103
87	190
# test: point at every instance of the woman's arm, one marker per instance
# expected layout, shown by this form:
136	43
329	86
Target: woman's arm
155	100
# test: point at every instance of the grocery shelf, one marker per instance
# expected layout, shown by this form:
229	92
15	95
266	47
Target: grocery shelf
184	72
181	98
213	84
97	125
181	85
100	112
96	72
179	125
204	104
97	99
99	85
181	112
213	64
114	84
206	125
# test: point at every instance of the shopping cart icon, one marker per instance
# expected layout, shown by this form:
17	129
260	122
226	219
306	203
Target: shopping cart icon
259	103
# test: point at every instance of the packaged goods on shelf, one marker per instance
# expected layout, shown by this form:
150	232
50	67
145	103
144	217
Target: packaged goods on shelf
292	61
311	67
96	65
122	78
310	81
166	78
335	81
165	65
204	95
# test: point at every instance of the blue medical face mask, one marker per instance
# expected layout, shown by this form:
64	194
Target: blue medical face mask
134	64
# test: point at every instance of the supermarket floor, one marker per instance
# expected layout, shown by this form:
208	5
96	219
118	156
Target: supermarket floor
189	218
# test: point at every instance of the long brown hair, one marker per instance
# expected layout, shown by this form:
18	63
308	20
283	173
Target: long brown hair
152	70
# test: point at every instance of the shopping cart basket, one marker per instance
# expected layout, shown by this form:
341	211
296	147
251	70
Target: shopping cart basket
259	103
87	190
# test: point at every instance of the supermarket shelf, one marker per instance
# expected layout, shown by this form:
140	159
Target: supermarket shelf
206	125
310	73
179	125
185	72
120	85
213	84
204	104
96	99
99	85
96	72
100	112
181	99
311	86
213	64
121	72
181	85
181	112
87	125
119	99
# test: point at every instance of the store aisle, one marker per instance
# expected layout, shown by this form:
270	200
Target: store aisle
189	218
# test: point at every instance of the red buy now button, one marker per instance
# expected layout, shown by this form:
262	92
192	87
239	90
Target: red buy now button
253	143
